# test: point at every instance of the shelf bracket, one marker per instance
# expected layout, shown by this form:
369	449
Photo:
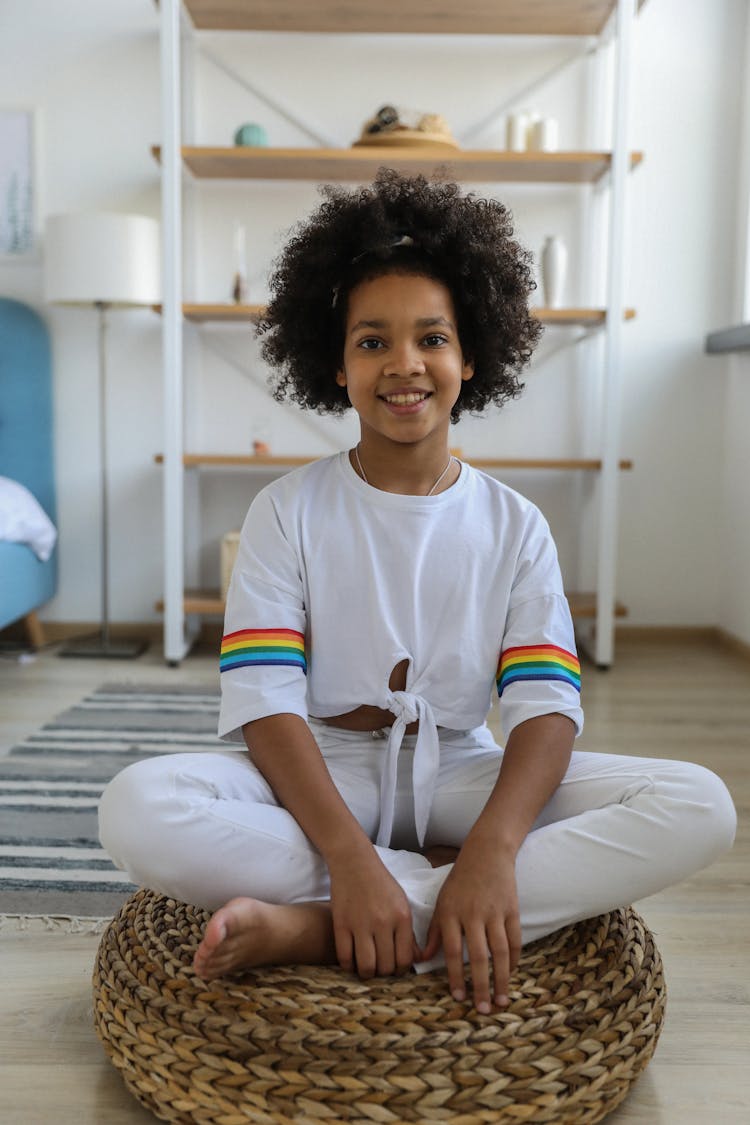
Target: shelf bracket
529	90
273	103
612	395
247	373
547	355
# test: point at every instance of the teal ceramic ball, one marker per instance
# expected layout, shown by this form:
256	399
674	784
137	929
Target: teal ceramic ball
251	134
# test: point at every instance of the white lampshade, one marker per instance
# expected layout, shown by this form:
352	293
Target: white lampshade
104	256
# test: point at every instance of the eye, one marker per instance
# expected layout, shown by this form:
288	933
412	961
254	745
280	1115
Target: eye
369	344
434	340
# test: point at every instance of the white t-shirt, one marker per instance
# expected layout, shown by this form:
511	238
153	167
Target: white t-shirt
337	582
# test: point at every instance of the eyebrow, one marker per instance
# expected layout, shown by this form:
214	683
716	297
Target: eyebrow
421	322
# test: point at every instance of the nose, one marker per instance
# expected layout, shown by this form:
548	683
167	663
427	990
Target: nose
404	358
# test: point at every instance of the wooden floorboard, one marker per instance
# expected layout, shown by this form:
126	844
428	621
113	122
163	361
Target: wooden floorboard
672	699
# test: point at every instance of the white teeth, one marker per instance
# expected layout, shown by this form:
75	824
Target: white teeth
406	400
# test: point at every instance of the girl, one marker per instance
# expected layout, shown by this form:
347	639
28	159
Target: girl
378	597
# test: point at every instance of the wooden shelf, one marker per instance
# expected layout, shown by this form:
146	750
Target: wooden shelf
590	464
577	318
205	602
474	17
361	164
238	460
209	602
251	314
231	314
251	460
584	605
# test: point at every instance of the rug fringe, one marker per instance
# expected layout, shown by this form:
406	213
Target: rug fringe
58	923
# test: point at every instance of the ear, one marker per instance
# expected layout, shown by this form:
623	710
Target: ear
341	377
467	372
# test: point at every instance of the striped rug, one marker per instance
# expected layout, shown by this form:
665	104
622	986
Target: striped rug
51	864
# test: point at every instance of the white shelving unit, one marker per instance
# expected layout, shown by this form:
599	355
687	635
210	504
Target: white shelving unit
599	18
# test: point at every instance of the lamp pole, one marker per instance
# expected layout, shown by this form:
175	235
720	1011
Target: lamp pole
102	260
102	308
102	645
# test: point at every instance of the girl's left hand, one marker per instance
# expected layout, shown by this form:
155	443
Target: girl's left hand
478	905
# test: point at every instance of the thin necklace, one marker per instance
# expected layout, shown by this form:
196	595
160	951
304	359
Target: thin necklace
451	459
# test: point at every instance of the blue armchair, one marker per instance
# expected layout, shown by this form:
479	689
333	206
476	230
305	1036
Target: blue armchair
27	456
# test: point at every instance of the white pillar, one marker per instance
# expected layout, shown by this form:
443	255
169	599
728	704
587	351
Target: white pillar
175	645
611	398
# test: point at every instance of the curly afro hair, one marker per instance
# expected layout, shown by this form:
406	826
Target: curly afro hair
410	225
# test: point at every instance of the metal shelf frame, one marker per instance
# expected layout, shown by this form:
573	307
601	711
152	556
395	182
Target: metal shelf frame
179	626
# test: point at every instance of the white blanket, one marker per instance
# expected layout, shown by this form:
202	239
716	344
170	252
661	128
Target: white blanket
24	520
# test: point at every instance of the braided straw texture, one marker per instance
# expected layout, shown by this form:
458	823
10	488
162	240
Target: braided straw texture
310	1045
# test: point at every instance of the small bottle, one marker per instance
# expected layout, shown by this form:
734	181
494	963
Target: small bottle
239	287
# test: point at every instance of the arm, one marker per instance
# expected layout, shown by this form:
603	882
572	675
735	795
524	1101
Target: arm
370	912
478	902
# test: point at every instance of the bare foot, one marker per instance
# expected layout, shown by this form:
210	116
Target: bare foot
246	933
440	854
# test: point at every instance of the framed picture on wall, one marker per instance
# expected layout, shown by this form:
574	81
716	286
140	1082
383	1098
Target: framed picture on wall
19	202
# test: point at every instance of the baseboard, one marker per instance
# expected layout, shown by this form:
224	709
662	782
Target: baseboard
683	634
734	644
210	634
57	632
667	634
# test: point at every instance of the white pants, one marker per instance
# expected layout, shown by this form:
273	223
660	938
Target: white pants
204	828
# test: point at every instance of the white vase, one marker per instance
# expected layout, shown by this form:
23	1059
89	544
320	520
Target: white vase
554	271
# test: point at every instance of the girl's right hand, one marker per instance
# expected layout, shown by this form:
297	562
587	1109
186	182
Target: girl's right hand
372	921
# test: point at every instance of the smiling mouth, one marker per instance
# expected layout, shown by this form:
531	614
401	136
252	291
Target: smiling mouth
409	399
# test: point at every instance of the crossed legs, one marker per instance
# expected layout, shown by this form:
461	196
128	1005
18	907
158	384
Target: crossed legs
206	829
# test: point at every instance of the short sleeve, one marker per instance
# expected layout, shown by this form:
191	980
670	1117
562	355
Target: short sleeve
263	660
538	670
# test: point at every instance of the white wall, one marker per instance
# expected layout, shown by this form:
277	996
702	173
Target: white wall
734	560
686	119
91	72
97	89
734	563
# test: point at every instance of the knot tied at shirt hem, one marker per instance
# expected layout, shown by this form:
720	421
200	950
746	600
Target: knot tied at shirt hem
409	708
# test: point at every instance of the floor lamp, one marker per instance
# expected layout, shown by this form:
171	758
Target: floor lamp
102	260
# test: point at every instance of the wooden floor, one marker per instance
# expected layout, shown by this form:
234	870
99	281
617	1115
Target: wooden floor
662	699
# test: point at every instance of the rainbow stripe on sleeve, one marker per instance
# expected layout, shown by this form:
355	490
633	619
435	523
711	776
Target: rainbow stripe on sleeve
538	662
251	647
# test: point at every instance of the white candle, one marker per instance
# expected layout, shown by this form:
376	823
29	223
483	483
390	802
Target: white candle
517	129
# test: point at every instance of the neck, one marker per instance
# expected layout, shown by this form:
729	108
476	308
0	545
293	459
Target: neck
406	470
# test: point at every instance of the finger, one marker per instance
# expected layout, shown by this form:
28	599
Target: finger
407	951
344	941
366	956
479	959
513	931
500	953
385	953
453	951
432	944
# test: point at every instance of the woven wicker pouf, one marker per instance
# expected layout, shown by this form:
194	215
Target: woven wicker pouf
309	1045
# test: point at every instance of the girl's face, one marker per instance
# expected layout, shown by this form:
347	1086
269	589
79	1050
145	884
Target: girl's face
403	365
